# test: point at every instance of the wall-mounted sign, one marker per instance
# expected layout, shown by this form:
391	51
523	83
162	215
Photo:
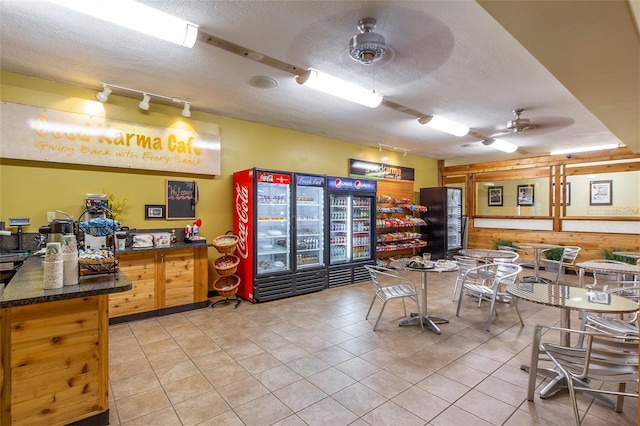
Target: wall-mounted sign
359	168
40	134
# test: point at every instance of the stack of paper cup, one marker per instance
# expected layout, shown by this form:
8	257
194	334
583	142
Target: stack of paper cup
53	267
70	259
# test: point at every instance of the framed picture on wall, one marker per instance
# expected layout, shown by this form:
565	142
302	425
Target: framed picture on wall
154	211
600	192
495	196
525	195
566	192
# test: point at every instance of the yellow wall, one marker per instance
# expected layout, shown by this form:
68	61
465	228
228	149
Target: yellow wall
30	189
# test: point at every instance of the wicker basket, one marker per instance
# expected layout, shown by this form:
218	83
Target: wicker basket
226	243
227	286
226	265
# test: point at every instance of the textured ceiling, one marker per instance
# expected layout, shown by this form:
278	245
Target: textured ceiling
450	58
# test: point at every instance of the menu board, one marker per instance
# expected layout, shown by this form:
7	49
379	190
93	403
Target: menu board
182	197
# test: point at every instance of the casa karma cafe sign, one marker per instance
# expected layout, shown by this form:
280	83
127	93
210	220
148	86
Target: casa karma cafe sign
39	134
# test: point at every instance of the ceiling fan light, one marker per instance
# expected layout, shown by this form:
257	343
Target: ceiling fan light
500	145
444	125
144	103
138	17
104	95
585	149
339	88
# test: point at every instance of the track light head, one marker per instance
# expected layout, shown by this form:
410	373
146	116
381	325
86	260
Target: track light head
186	112
104	95
144	103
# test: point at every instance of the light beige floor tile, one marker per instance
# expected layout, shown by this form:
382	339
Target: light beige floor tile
307	365
504	391
171	373
407	370
443	387
167	358
228	418
390	413
357	368
242	391
521	418
299	395
486	407
134	384
331	380
200	408
187	388
462	373
263	411
212	360
327	412
386	383
259	363
125	369
380	357
225	374
165	417
457	416
359	399
142	404
277	377
421	403
292	420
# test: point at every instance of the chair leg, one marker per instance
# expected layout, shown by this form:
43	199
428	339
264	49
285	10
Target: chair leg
515	304
371	306
533	365
620	399
380	315
460	299
419	312
404	306
574	401
491	308
455	288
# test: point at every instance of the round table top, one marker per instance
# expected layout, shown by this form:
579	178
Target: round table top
603	266
535	245
488	254
564	296
633	254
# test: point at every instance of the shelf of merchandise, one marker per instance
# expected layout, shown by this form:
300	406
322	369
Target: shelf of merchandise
397	220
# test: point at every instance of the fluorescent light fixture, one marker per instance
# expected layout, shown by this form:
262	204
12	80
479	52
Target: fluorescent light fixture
585	149
104	95
500	145
138	17
444	125
144	103
186	112
339	88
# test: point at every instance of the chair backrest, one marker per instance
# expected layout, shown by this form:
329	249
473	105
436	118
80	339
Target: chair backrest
465	263
507	273
512	256
380	274
570	254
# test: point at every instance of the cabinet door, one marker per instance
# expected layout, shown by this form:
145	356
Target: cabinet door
178	276
140	269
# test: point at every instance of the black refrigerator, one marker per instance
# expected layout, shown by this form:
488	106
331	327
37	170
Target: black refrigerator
351	229
444	227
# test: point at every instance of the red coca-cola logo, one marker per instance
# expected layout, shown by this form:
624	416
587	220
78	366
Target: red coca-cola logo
242	212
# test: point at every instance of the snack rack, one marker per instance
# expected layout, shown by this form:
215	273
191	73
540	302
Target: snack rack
98	230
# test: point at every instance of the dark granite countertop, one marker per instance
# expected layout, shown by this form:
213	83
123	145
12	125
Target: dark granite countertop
176	246
27	288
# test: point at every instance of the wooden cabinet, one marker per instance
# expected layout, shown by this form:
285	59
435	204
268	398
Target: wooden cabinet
55	362
162	279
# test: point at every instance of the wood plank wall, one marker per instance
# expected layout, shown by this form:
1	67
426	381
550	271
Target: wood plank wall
590	242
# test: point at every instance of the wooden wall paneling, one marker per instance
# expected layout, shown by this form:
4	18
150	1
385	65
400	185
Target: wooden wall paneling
140	268
44	337
200	275
591	243
178	277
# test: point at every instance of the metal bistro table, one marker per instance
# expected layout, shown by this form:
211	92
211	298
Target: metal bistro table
568	298
416	317
537	252
488	255
605	267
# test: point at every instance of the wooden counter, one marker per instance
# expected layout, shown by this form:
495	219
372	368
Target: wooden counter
165	280
54	355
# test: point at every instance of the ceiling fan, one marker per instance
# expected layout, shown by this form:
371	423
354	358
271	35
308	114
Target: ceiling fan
518	125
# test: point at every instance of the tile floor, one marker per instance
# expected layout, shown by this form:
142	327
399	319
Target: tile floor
314	360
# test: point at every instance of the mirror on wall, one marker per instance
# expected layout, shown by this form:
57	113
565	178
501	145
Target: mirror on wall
604	194
513	197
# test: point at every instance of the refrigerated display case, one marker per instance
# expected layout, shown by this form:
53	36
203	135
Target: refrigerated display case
269	268
351	222
443	231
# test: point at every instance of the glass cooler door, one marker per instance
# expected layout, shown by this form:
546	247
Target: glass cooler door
309	227
361	228
273	238
339	229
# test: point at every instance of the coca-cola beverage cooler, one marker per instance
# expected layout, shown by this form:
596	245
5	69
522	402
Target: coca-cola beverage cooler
352	232
281	255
